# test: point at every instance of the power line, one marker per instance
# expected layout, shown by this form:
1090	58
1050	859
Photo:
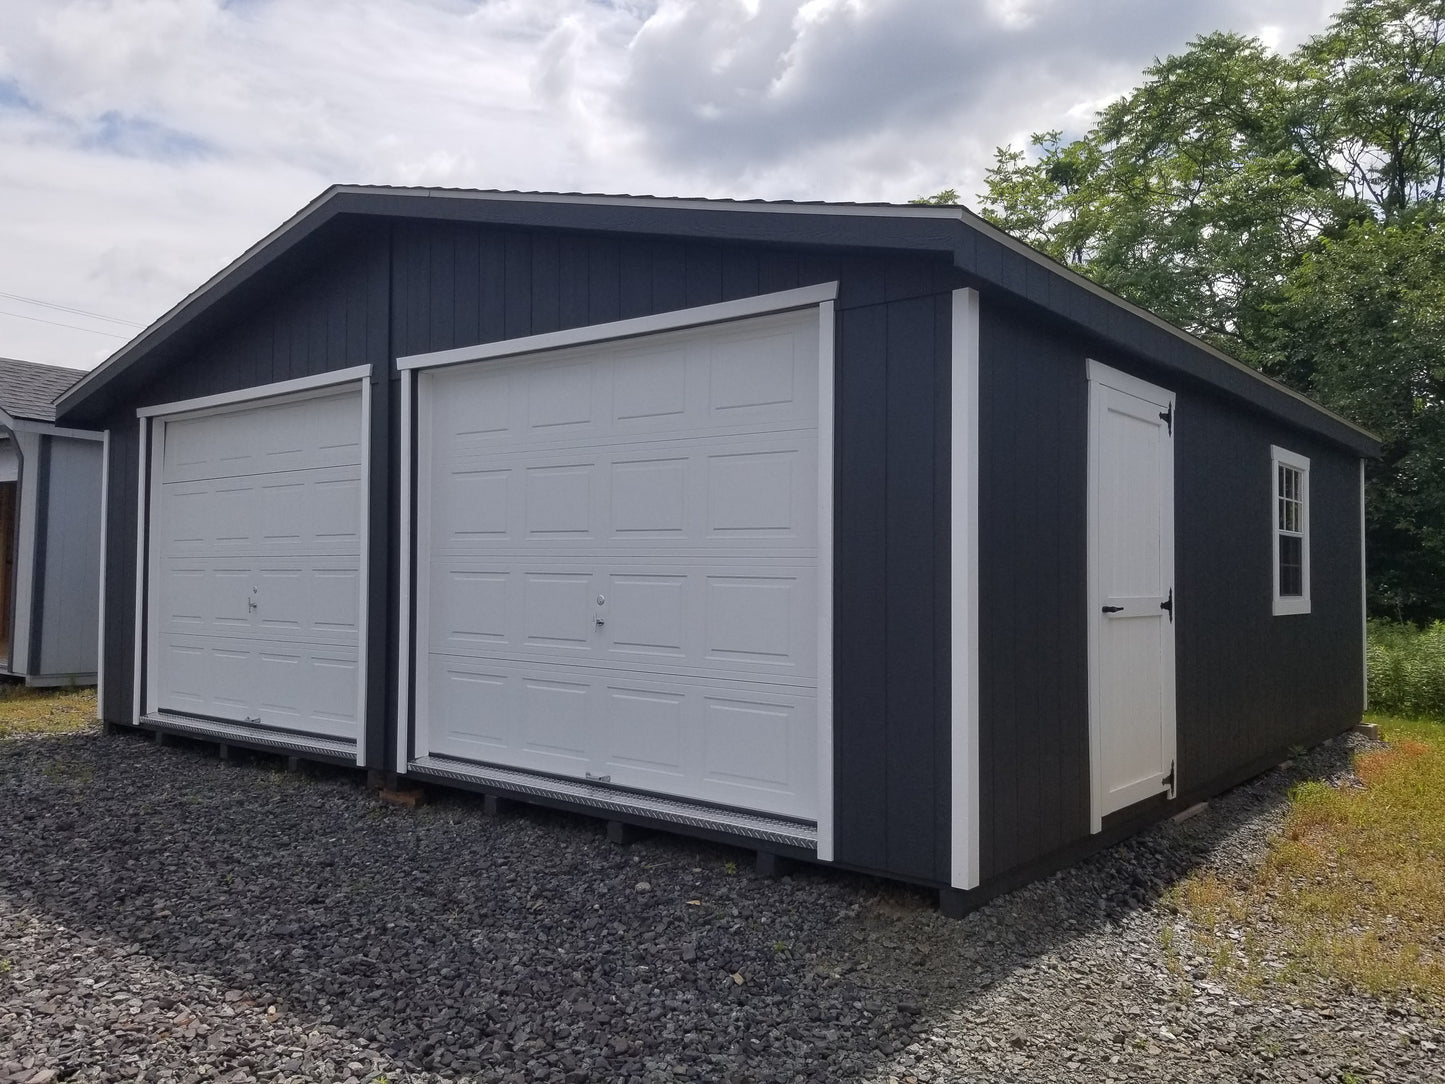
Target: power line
67	308
57	323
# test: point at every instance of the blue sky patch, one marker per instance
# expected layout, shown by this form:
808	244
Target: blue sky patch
136	137
12	97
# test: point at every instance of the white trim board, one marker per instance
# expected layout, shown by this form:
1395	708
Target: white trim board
104	560
801	298
826	502
964	871
251	396
406	529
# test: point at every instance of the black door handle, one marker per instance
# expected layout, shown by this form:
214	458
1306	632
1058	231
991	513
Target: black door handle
1112	609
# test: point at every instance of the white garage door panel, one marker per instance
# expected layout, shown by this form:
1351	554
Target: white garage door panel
697	493
755	619
318	601
302	434
293	686
297	512
618	573
257	585
724	742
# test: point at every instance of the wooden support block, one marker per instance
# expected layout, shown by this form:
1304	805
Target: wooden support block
1193	811
406	797
1369	730
162	738
223	752
953	903
494	805
772	866
624	835
293	764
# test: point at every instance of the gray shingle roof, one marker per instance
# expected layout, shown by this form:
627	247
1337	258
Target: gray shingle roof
29	389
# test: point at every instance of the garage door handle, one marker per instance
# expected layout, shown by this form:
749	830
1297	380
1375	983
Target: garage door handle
1112	609
599	622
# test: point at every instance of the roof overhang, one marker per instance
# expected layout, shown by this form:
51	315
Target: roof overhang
976	246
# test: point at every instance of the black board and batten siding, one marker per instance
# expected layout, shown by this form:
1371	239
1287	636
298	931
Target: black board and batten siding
401	288
374	278
1250	685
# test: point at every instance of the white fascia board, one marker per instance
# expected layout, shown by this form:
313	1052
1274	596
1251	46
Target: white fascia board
47	429
963	602
260	391
801	298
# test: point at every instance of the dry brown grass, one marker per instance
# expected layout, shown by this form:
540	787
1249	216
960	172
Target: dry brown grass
28	712
1354	887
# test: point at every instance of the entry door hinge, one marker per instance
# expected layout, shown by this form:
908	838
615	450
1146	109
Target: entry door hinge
1167	417
1168	605
1168	780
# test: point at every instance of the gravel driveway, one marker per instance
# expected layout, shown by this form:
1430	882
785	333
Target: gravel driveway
167	917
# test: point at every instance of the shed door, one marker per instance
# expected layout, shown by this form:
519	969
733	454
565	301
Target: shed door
1131	560
256	543
618	563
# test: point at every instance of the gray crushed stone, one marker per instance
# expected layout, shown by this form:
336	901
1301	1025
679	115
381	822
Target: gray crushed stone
166	917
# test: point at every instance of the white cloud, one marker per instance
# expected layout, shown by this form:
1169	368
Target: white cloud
146	143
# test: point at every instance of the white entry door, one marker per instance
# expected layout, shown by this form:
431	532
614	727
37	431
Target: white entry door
618	563
256	546
1131	590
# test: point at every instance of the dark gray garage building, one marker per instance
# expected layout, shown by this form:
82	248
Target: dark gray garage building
857	533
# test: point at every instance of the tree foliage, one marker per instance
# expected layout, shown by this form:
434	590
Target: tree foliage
1290	210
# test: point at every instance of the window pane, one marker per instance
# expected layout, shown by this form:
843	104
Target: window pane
1291	566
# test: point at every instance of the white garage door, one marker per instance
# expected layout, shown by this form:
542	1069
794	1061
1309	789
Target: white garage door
256	544
618	563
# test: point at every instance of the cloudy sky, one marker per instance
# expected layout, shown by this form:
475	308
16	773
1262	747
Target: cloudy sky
145	143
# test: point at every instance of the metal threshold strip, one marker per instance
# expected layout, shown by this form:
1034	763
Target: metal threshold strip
271	739
613	800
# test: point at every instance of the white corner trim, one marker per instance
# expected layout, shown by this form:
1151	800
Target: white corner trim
826	500
404	534
963	600
1293	605
100	667
141	512
801	298
260	391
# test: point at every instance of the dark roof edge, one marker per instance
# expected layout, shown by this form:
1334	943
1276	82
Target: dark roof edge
333	201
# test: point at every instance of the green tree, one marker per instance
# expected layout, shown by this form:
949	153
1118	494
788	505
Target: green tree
1291	210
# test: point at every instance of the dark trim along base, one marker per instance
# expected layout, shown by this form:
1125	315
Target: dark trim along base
604	800
229	733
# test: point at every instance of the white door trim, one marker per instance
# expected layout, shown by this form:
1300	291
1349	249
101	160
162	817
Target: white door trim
825	579
802	298
414	606
963	591
1100	375
251	396
100	615
405	534
153	421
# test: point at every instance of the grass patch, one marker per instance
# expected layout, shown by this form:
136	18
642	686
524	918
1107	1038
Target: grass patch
25	711
1354	887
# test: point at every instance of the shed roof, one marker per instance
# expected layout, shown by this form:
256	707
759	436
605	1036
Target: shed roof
978	248
29	390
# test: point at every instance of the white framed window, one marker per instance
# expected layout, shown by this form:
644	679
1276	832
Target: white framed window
1290	531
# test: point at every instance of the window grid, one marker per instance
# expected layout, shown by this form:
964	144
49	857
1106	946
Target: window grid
1291	532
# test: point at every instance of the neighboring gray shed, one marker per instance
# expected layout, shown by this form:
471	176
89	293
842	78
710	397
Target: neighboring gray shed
50	502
